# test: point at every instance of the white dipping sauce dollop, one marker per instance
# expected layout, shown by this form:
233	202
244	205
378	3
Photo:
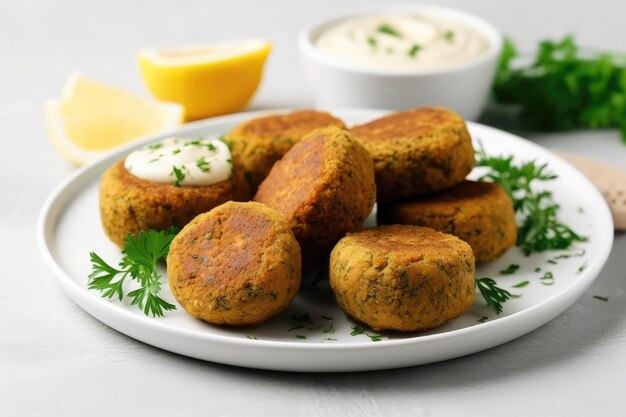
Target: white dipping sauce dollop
402	42
182	162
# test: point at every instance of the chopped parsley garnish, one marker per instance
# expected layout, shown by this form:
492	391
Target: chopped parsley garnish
357	329
203	165
178	174
372	41
449	36
326	318
598	297
155	146
521	284
538	269
583	267
141	255
483	319
303	321
387	29
493	295
547	278
176	151
511	269
201	142
252	337
302	318
539	229
300	336
330	339
414	50
329	329
566	256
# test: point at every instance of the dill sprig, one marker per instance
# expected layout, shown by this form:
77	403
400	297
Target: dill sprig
141	255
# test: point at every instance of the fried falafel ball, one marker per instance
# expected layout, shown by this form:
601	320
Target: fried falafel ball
262	141
480	213
129	204
324	186
402	278
417	151
237	265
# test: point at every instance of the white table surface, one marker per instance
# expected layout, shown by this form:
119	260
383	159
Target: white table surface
57	360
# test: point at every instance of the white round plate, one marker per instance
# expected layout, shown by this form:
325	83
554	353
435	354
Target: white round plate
314	334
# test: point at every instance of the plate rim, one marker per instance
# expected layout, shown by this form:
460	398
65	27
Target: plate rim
93	304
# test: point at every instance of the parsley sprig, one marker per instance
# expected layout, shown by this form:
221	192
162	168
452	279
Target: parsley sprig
141	255
539	228
564	87
493	295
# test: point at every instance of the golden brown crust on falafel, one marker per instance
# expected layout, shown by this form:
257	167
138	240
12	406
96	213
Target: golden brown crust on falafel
417	151
402	278
129	204
324	186
262	141
238	264
480	213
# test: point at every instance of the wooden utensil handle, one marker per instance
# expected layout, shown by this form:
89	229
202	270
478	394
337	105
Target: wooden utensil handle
611	182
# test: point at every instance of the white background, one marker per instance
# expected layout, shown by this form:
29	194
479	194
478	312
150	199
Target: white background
57	360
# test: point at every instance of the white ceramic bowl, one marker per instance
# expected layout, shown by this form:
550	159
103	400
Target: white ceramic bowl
464	89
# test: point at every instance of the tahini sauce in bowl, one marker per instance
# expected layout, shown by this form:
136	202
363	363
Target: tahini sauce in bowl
402	42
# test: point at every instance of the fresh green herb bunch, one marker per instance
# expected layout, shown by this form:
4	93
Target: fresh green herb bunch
563	90
141	255
538	229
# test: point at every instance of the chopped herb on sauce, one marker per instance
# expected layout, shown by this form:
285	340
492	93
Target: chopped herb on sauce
387	29
178	174
414	50
203	165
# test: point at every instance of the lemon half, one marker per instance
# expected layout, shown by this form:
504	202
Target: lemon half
207	80
91	118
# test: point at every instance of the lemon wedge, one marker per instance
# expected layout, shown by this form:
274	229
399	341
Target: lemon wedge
207	80
91	118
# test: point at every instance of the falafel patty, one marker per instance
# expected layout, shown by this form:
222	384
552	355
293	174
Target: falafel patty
480	213
417	151
129	204
324	186
237	265
402	278
262	141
